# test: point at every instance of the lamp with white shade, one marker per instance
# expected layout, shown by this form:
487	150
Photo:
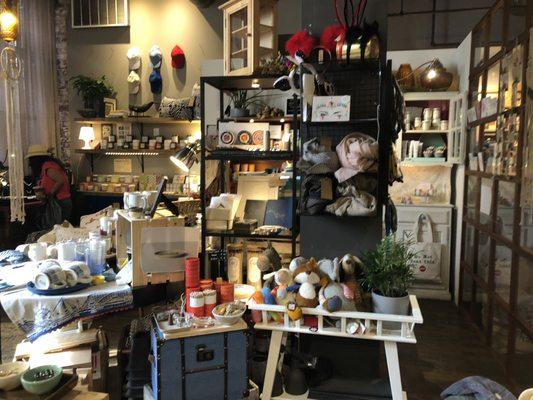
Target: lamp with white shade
87	134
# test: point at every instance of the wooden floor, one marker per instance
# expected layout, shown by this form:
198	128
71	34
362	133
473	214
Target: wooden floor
448	349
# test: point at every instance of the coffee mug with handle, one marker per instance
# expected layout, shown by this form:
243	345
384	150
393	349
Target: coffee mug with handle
50	276
135	200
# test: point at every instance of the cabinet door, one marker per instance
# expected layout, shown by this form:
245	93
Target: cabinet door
238	38
457	129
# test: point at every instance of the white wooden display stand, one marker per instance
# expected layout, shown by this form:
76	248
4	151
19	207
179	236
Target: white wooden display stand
373	330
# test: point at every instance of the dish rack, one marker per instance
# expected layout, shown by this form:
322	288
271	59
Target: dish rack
373	327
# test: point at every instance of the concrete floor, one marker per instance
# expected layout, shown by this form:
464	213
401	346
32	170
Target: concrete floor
448	349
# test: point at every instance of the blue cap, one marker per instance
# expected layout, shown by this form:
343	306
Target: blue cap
156	82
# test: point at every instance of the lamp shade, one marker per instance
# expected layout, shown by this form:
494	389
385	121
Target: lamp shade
435	77
8	25
185	157
86	134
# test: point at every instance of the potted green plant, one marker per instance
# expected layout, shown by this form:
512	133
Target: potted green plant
387	274
92	92
241	103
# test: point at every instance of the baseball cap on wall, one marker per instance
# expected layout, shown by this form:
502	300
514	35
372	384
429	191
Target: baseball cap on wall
156	82
178	57
134	81
155	56
134	58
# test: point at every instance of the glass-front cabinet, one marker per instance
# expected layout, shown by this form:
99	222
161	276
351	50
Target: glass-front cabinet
250	34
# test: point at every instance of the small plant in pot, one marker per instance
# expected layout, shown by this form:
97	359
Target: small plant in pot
241	102
92	92
387	274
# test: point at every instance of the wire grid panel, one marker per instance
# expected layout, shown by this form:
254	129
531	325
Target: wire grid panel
362	86
337	131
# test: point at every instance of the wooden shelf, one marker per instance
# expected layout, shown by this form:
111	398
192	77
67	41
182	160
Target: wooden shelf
136	120
249	155
415	131
127	152
277	120
429	96
425	162
232	234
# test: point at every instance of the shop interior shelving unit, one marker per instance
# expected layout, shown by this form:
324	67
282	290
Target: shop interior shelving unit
496	290
140	123
370	86
228	156
452	106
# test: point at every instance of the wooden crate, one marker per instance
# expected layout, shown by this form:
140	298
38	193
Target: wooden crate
129	235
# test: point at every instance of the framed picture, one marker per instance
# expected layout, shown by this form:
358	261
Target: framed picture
331	108
109	105
107	130
123	130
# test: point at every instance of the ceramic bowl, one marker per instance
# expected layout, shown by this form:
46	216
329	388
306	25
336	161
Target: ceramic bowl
227	320
10	374
33	384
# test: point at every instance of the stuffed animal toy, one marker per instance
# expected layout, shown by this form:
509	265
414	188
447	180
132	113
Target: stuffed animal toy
297	262
294	311
333	296
269	260
283	279
307	276
351	267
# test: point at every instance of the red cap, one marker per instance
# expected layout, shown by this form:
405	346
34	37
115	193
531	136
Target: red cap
178	57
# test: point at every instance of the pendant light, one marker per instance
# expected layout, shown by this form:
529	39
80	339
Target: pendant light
9	23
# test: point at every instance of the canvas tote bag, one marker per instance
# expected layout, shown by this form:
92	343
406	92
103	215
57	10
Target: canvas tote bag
427	261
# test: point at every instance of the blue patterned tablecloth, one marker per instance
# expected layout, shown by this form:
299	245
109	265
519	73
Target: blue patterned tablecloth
37	315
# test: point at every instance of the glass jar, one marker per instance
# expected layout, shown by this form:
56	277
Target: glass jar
95	253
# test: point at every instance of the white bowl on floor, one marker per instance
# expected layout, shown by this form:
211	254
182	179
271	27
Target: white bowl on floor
10	374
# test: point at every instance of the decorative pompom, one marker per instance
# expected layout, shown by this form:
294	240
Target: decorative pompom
332	304
258	297
329	35
300	41
268	297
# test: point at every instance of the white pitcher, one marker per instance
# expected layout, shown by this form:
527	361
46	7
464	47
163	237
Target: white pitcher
135	200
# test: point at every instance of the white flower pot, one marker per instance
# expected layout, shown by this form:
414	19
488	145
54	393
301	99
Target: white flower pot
390	305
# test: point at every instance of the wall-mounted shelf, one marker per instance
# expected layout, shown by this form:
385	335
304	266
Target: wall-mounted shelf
127	152
137	120
429	131
249	155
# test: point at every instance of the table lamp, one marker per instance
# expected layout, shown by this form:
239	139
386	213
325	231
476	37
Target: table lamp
185	157
86	134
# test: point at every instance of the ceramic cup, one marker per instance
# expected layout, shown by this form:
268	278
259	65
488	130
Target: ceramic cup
444	125
135	143
50	276
426	125
427	114
37	251
80	270
136	212
135	200
417	123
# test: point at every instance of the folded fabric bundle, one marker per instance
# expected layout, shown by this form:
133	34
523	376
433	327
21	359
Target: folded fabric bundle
353	203
312	201
362	182
478	386
316	159
357	153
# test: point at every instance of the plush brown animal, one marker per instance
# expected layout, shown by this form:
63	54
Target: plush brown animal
307	275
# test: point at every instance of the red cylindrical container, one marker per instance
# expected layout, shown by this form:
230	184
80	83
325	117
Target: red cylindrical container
218	285
210	301
188	291
192	272
206	284
196	304
227	293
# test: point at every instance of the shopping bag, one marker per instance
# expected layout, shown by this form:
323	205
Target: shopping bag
426	263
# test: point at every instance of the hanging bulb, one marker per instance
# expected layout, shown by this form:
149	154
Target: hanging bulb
8	25
432	73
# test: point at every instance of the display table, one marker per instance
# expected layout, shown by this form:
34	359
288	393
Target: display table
374	329
75	394
37	315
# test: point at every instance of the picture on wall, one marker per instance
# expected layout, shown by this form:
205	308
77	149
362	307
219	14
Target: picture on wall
331	108
109	105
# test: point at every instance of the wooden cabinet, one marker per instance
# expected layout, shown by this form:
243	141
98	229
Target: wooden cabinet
250	34
441	218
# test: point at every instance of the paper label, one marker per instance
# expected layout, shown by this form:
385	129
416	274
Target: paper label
122	165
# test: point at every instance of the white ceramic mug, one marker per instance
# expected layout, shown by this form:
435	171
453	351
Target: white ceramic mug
66	251
80	270
50	276
37	251
135	200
